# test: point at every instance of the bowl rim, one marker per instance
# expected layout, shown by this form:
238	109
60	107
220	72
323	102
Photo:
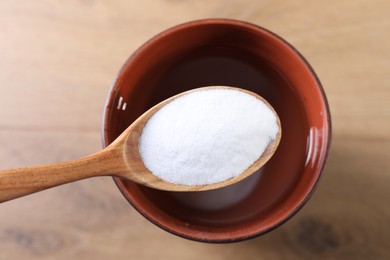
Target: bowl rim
232	22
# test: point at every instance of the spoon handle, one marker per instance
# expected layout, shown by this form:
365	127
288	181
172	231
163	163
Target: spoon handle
16	183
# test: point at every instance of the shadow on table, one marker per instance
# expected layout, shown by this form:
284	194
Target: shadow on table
348	216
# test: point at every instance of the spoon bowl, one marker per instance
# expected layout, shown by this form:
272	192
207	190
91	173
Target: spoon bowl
135	164
121	159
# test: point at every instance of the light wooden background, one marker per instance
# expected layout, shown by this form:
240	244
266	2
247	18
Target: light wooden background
57	61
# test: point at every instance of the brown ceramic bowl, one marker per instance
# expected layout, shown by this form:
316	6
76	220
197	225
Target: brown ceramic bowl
231	53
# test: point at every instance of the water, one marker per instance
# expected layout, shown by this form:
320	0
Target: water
256	196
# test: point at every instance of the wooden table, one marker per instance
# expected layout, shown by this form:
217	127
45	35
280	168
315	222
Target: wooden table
57	61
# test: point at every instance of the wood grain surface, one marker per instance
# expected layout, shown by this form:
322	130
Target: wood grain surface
57	61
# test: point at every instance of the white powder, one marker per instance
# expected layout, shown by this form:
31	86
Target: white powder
207	136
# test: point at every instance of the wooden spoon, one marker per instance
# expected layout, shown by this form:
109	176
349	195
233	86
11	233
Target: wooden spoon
121	158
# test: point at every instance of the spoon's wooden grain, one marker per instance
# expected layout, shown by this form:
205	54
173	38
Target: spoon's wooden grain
121	158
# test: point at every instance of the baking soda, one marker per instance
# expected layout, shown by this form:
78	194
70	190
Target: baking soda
207	136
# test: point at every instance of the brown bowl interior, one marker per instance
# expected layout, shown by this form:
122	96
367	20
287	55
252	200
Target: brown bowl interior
231	53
